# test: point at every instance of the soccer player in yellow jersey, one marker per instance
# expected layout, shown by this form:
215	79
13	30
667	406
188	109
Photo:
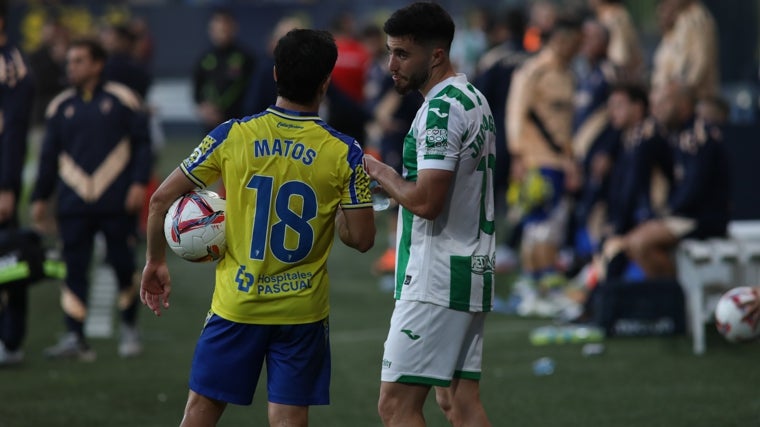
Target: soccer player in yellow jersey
291	180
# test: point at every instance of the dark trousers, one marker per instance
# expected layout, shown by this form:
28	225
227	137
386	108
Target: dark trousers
14	302
78	235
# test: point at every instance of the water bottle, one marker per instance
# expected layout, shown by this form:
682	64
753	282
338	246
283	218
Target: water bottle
380	199
543	367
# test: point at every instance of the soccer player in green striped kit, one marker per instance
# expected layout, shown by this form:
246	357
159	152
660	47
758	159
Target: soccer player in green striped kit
445	239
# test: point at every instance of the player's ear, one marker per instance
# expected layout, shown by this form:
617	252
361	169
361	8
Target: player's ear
274	73
325	85
438	56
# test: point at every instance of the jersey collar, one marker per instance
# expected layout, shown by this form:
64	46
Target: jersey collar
292	115
433	92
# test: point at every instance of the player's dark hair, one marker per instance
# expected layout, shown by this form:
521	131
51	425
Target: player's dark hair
94	48
426	24
563	26
222	12
303	60
636	93
125	33
513	20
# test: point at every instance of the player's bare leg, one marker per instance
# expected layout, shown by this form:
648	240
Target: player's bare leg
461	404
649	245
288	415
401	404
202	411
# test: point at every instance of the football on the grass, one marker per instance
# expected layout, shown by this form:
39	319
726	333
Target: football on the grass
731	315
194	226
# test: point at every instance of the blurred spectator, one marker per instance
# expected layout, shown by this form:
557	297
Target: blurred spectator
222	73
594	81
688	51
262	90
345	96
143	47
541	18
624	49
640	154
48	65
373	39
121	66
539	126
16	95
698	202
593	139
469	42
353	58
505	33
96	160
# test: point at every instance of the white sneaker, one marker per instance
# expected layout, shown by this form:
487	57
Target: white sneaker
129	342
8	358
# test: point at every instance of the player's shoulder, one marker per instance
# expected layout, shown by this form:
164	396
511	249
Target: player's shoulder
537	65
61	99
123	94
456	95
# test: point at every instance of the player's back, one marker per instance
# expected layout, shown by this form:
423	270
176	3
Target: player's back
285	173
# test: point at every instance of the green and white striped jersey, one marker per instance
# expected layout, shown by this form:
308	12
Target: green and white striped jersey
449	261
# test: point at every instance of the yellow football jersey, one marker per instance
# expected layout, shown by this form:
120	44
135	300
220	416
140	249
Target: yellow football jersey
285	173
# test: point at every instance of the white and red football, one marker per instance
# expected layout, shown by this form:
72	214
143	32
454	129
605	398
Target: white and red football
732	317
194	226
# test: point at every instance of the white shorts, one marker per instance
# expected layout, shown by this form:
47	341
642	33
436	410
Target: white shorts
429	344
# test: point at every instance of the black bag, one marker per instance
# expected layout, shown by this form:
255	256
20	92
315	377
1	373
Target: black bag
22	258
649	307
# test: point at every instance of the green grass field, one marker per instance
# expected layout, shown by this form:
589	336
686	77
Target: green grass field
636	382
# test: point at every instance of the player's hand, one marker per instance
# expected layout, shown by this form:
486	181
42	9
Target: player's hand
372	166
7	205
156	286
41	221
135	198
753	307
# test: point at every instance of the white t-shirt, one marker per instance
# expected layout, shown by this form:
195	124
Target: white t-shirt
449	261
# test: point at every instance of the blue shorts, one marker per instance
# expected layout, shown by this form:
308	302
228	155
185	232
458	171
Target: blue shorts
556	180
229	357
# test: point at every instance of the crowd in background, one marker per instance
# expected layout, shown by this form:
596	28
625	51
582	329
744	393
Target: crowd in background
605	158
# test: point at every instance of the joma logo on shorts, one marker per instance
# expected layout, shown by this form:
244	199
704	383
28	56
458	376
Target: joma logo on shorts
410	334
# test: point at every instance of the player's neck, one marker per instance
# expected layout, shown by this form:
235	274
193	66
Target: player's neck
438	75
292	106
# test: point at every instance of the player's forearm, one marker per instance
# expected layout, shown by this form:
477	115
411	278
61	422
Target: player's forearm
358	230
156	243
407	193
